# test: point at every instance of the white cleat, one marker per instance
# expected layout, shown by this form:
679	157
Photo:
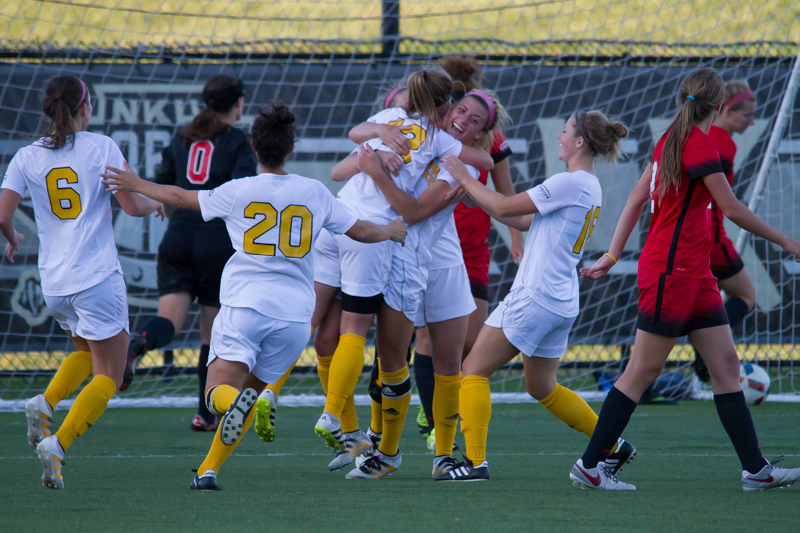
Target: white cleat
39	415
374	437
375	465
266	410
355	444
770	477
52	457
597	478
442	464
329	428
232	423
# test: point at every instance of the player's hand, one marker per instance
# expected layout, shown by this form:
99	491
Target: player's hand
391	162
161	212
394	138
121	180
517	251
793	247
456	168
456	195
13	247
397	230
599	269
368	161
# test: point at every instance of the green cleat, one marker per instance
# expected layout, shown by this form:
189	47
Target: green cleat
266	408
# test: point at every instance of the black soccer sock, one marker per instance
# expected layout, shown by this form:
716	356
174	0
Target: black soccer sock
157	332
202	374
614	417
735	417
423	375
736	309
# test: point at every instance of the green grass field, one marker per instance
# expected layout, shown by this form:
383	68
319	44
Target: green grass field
132	471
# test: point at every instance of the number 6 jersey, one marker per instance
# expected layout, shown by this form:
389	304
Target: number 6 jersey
273	221
568	204
72	210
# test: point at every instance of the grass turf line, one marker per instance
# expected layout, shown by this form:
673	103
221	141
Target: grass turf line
686	473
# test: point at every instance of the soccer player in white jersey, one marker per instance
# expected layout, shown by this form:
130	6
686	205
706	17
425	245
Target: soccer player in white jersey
536	316
81	276
447	300
267	294
367	274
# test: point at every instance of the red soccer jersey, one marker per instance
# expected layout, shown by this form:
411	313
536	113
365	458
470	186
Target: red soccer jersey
727	153
473	224
679	240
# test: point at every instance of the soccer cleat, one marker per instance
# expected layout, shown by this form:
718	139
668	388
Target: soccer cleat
623	455
375	438
597	478
422	422
466	471
266	409
233	421
199	424
442	464
355	444
375	465
39	415
137	347
770	477
431	442
329	428
208	481
52	457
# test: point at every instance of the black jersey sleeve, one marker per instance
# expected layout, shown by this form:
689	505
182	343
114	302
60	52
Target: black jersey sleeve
245	164
165	171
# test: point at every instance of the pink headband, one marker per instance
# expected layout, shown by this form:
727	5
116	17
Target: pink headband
392	95
747	94
83	96
488	101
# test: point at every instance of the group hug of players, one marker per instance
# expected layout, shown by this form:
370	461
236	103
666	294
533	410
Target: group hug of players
273	257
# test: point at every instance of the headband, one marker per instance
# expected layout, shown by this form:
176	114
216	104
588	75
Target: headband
222	99
486	100
391	95
83	96
585	137
747	94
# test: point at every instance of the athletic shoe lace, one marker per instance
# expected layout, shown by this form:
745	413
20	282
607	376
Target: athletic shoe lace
373	463
609	475
777	460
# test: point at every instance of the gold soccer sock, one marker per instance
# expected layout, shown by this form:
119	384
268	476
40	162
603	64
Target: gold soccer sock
348	361
277	386
445	411
86	409
476	411
220	398
220	451
349	418
324	370
69	376
571	409
376	424
396	399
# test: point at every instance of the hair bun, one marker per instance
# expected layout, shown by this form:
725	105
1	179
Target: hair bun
283	116
620	130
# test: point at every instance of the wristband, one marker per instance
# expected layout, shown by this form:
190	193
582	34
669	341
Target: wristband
611	256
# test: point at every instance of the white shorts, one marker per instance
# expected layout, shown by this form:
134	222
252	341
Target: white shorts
533	330
269	347
326	260
448	296
365	267
407	284
97	313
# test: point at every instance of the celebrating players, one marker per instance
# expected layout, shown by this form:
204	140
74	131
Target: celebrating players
81	276
210	151
537	315
679	295
266	291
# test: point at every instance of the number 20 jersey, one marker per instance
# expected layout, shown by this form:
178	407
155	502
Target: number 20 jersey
273	222
72	210
568	205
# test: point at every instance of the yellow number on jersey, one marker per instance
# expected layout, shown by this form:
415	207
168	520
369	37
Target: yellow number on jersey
68	194
270	220
416	139
588	228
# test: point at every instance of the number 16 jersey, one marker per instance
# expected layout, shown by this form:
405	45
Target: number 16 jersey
273	221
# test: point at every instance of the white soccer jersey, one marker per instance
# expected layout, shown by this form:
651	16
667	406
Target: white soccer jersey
72	210
568	204
273	221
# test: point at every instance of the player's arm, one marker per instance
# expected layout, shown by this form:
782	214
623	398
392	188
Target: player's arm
369	232
391	136
501	177
476	157
627	221
128	183
9	201
740	215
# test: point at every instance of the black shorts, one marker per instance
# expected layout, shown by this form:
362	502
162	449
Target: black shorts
191	258
479	288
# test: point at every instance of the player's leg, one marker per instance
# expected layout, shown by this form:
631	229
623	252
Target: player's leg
204	420
476	322
741	296
423	377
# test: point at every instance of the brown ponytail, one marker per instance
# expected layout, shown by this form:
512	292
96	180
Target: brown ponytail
701	91
602	134
220	94
273	134
428	89
465	73
63	98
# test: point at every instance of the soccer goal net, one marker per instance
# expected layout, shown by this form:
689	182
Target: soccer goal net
146	61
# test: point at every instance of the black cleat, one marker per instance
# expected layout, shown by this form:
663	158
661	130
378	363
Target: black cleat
137	347
623	455
208	481
466	471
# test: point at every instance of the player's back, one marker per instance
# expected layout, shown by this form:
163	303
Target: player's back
72	210
273	221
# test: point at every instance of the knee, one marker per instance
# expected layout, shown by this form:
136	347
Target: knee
449	365
539	390
205	334
325	345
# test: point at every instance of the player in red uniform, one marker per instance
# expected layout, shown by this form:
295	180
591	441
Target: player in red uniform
679	295
735	116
